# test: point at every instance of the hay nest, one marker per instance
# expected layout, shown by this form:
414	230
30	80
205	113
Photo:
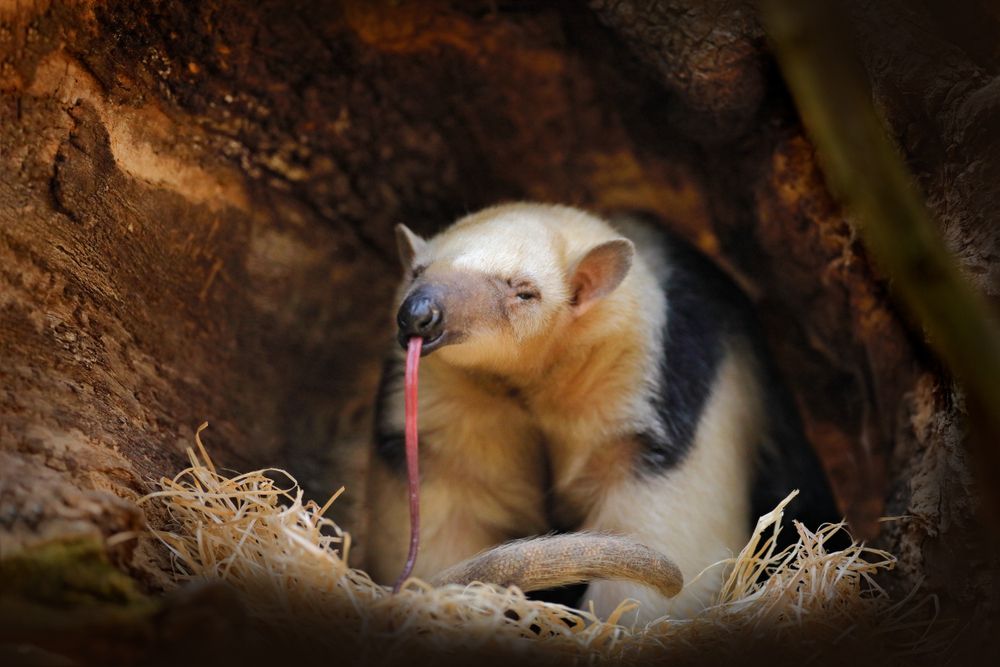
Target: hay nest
255	532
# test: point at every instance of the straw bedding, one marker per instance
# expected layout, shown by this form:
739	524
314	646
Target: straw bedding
256	532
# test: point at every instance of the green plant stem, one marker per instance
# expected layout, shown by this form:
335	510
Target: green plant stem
865	171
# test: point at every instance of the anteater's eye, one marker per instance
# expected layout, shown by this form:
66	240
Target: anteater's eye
417	270
524	290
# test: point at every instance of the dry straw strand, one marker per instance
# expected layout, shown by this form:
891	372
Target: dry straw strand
256	532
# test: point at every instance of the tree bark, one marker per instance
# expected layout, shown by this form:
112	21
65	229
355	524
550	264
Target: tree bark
197	202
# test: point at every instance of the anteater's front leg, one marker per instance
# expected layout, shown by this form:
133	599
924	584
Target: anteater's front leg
481	478
455	524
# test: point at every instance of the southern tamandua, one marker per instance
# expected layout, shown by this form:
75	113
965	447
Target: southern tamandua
583	377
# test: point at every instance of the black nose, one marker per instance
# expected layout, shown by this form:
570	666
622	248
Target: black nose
420	315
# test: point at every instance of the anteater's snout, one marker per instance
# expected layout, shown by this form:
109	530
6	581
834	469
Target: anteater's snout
420	315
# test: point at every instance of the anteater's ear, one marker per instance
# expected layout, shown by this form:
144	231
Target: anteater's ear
600	271
408	244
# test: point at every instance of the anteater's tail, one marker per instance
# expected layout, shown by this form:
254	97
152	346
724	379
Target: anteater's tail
560	560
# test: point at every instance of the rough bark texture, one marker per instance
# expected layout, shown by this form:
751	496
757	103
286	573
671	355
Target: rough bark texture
196	205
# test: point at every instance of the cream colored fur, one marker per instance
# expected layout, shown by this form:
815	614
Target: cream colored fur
554	399
695	513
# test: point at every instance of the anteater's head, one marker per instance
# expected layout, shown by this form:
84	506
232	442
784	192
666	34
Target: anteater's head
498	285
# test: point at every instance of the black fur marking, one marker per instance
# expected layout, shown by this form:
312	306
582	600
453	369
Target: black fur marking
704	309
390	442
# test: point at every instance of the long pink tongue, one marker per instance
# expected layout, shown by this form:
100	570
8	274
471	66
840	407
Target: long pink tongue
412	464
